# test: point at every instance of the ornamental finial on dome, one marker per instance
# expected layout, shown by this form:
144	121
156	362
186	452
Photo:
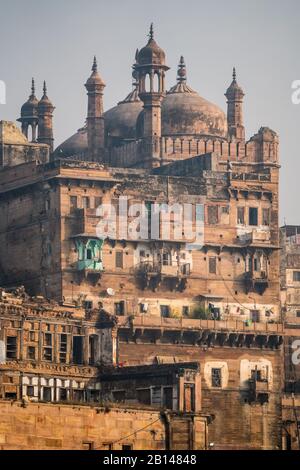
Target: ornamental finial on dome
151	32
45	88
181	72
234	74
32	88
94	67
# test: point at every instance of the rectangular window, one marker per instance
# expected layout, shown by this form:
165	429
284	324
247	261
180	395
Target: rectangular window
31	353
63	396
253	216
78	395
11	347
119	259
93	347
212	215
77	349
98	202
63	348
47	393
165	311
216	378
185	311
73	202
144	396
212	265
119	396
127	447
298	314
30	391
266	216
85	202
88	304
241	215
168	398
120	308
296	276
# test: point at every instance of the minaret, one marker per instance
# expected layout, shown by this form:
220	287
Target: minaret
29	114
235	95
151	68
45	114
95	120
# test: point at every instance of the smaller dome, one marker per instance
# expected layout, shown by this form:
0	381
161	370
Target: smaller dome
234	91
30	108
151	53
44	101
95	78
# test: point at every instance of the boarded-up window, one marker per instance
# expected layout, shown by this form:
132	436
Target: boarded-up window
212	215
189	398
212	265
119	259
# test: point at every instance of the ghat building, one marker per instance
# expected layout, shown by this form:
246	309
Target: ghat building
106	310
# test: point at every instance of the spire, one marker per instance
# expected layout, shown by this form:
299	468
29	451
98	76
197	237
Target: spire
32	88
45	88
95	67
181	85
151	32
234	74
181	72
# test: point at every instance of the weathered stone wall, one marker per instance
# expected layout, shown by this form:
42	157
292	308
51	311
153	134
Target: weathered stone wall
73	427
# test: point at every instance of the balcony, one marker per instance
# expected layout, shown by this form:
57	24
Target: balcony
256	281
153	275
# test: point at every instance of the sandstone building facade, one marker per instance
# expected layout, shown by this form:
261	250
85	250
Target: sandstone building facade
135	297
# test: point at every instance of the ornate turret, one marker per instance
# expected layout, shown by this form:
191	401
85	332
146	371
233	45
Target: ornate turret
150	67
95	120
235	95
29	114
45	115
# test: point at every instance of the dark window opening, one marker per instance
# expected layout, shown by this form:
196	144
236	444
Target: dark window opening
63	394
296	276
144	396
254	315
31	352
78	395
119	259
185	311
11	347
168	398
216	378
89	254
253	216
47	393
88	304
127	447
212	265
93	346
10	395
165	311
63	348
30	391
73	202
77	349
119	396
120	308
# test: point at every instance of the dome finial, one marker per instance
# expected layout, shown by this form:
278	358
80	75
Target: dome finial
45	88
234	74
181	72
94	67
151	32
32	87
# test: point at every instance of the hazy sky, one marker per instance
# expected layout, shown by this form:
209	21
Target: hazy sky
56	40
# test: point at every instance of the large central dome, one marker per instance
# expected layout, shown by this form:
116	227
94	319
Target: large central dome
183	113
